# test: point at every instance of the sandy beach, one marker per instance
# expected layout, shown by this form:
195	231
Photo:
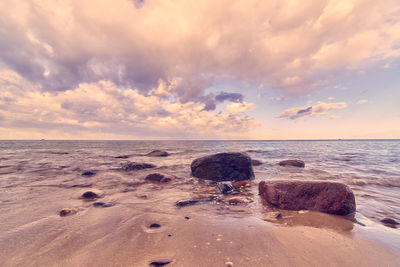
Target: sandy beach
212	233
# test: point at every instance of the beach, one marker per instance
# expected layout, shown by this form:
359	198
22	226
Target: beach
145	225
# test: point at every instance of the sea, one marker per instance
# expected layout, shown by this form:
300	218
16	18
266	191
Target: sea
371	168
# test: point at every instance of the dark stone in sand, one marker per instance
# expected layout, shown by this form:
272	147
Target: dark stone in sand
328	197
223	167
159	263
255	162
156	177
187	217
390	221
88	173
154	225
103	204
158	153
278	215
131	166
90	195
67	211
224	188
80	185
184	203
122	157
169	235
293	163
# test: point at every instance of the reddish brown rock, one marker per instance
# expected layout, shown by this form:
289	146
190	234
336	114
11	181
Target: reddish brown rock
292	163
328	197
157	177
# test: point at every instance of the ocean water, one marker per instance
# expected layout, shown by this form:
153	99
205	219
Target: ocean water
370	167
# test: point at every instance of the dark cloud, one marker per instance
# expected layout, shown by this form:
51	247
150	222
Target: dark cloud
232	97
304	111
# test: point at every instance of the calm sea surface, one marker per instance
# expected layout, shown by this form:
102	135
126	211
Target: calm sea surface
370	167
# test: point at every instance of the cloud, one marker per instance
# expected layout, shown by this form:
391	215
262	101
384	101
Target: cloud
103	107
233	97
316	110
362	101
236	108
288	45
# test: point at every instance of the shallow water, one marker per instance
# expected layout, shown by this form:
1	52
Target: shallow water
370	167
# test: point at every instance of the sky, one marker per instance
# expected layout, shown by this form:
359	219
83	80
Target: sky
204	69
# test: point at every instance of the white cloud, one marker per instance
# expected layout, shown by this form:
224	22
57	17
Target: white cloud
236	108
313	110
362	101
103	107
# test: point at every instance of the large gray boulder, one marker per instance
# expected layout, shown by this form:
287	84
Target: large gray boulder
223	167
328	197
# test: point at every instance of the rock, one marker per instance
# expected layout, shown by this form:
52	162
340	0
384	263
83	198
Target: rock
390	221
131	166
328	197
122	157
156	177
89	195
103	204
235	201
184	203
223	167
154	225
67	211
239	184
293	163
158	153
88	173
224	188
159	263
255	162
278	215
187	217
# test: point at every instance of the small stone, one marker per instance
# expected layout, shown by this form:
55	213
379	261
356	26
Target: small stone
131	166
122	157
184	203
157	177
278	215
88	173
154	225
224	188
158	153
67	211
239	184
293	163
103	204
187	217
159	263
235	201
389	221
169	235
229	263
89	195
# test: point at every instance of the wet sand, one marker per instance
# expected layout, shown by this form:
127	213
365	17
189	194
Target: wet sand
214	234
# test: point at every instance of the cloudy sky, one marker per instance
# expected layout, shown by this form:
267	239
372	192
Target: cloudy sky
204	69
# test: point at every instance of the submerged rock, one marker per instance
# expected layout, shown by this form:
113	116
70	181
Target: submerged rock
67	211
89	195
131	166
293	163
255	162
389	221
157	177
158	153
103	204
184	203
122	157
328	197
88	173
223	167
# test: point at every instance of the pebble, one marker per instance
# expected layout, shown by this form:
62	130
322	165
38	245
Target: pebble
67	211
229	263
184	203
89	195
154	225
88	173
390	221
103	204
187	217
159	263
